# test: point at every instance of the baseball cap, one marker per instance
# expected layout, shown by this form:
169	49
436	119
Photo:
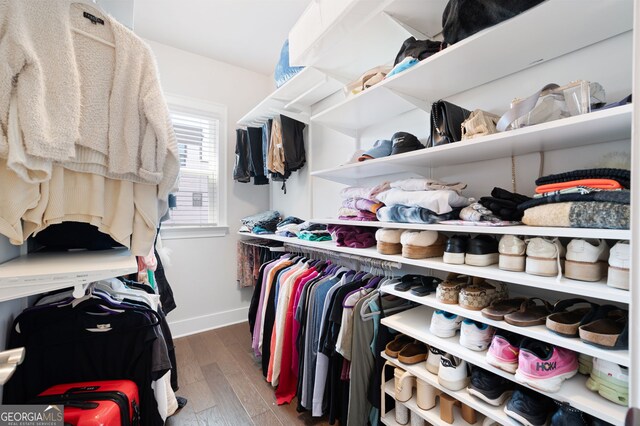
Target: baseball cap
404	142
381	148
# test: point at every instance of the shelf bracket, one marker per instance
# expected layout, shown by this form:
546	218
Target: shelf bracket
419	103
412	31
79	290
296	116
307	92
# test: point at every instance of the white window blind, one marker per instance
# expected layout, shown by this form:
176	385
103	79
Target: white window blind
197	199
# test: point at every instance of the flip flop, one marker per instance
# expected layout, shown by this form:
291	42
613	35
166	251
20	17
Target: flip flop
530	313
499	308
565	322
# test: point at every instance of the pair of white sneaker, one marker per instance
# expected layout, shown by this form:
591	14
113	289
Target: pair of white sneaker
452	372
586	259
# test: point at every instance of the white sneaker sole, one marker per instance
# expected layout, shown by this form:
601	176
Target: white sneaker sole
618	278
542	267
504	366
453	258
511	262
584	271
495	402
551	384
521	419
481	259
443	333
454	385
474	345
433	368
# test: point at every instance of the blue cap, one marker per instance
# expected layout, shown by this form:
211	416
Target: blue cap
381	148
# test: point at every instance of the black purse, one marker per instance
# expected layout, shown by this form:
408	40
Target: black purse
462	18
446	122
419	49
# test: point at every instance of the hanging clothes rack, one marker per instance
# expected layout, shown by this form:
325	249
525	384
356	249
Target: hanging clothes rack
384	265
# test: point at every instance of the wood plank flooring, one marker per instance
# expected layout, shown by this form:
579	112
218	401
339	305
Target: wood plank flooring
223	382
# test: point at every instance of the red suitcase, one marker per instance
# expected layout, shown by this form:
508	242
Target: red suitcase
103	403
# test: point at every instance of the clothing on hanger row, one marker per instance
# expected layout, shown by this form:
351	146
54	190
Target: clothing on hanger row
116	331
316	326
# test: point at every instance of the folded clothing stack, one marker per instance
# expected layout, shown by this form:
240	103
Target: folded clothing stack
289	227
359	209
313	232
504	204
261	223
353	236
591	198
421	200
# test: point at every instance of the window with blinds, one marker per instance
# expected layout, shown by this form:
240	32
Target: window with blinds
198	134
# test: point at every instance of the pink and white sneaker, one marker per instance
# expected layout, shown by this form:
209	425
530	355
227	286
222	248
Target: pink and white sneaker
504	350
544	366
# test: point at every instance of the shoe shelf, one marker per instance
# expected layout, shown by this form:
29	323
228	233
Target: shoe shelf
539	332
418	370
36	273
593	128
294	98
433	79
432	416
540	231
595	290
415	323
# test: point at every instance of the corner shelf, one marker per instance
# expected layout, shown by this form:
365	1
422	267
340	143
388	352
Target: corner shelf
415	323
418	370
539	332
542	231
588	129
596	290
433	79
293	98
36	273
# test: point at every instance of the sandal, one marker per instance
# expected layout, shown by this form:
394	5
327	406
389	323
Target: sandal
530	313
608	330
565	322
501	307
429	285
479	295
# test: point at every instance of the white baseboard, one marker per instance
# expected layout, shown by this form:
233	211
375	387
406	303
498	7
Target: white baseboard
202	323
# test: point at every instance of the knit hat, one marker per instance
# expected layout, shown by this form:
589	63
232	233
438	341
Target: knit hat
404	142
381	148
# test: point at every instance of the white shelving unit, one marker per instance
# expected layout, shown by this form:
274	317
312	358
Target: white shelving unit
419	370
40	272
596	290
431	79
539	231
294	98
587	129
432	415
415	323
539	332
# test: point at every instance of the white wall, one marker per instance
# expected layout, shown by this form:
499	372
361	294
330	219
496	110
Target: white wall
203	270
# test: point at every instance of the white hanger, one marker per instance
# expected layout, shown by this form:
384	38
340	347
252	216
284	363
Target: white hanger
92	4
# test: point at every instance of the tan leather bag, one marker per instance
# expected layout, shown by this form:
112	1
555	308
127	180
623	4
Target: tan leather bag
479	123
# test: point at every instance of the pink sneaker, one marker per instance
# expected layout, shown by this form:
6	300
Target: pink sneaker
504	350
544	366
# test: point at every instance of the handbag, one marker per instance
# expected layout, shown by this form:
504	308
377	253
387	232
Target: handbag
446	122
551	103
479	123
418	49
462	18
368	79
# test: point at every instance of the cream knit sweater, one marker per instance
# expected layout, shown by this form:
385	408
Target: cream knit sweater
83	104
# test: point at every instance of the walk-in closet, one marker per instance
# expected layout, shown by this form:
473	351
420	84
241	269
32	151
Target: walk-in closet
316	212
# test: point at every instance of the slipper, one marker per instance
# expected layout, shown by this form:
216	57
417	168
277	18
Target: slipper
565	322
413	353
429	285
530	313
609	329
409	281
499	308
394	347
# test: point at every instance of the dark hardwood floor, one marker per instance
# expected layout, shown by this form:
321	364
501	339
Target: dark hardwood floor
223	382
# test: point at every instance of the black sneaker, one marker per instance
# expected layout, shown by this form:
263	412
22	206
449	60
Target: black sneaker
455	249
566	415
482	251
489	387
529	407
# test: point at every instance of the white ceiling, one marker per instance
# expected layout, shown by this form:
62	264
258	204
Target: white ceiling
246	33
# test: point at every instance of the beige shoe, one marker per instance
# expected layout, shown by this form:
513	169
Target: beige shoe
422	244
